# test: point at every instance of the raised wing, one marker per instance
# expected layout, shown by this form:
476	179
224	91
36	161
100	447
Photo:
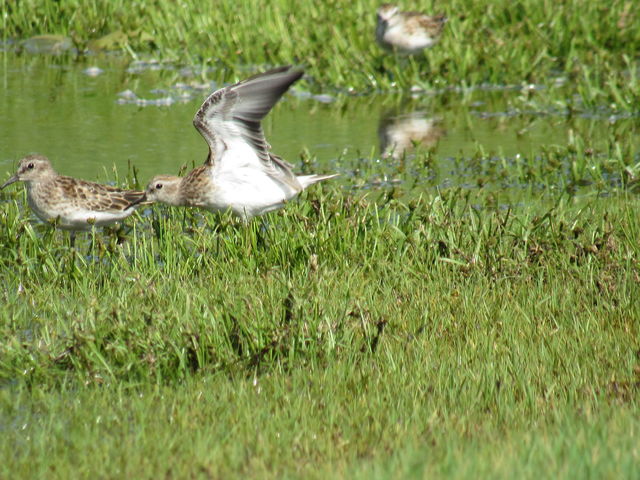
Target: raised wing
233	114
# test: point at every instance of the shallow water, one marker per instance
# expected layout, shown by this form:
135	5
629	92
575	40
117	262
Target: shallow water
94	116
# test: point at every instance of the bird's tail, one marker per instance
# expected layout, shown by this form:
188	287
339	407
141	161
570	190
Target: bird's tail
307	180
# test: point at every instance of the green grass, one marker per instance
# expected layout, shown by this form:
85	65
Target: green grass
490	329
293	427
589	45
347	336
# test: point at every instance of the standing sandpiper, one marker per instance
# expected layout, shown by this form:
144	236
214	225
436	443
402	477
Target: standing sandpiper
71	203
240	173
407	32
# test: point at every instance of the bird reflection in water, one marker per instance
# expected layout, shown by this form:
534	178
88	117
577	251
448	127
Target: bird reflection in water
400	134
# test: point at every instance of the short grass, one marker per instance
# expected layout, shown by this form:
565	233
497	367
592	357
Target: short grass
350	335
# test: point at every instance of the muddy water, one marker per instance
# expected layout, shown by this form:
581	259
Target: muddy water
96	116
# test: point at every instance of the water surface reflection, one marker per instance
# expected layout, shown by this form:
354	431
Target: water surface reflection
140	113
402	133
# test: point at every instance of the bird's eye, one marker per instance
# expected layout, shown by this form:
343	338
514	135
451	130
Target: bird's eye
31	166
158	186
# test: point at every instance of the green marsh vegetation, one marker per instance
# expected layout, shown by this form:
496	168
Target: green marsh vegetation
372	329
590	44
346	336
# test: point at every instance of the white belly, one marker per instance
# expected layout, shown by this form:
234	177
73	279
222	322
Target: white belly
69	217
247	192
411	42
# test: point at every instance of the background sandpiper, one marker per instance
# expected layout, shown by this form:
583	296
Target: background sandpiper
407	32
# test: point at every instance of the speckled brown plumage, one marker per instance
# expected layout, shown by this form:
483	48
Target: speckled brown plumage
407	32
432	24
193	185
74	204
93	196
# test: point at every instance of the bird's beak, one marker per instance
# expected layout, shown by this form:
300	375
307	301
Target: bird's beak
13	179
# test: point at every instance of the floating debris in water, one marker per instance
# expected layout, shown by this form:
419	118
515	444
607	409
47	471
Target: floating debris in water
186	72
165	101
130	98
324	98
158	102
300	93
146	102
185	96
530	87
48	44
93	71
128	95
321	97
139	66
179	92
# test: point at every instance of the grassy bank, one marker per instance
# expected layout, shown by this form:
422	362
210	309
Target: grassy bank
587	44
345	335
468	314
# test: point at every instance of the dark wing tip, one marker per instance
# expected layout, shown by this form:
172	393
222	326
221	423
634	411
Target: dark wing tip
120	200
280	78
260	93
275	71
134	197
246	102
